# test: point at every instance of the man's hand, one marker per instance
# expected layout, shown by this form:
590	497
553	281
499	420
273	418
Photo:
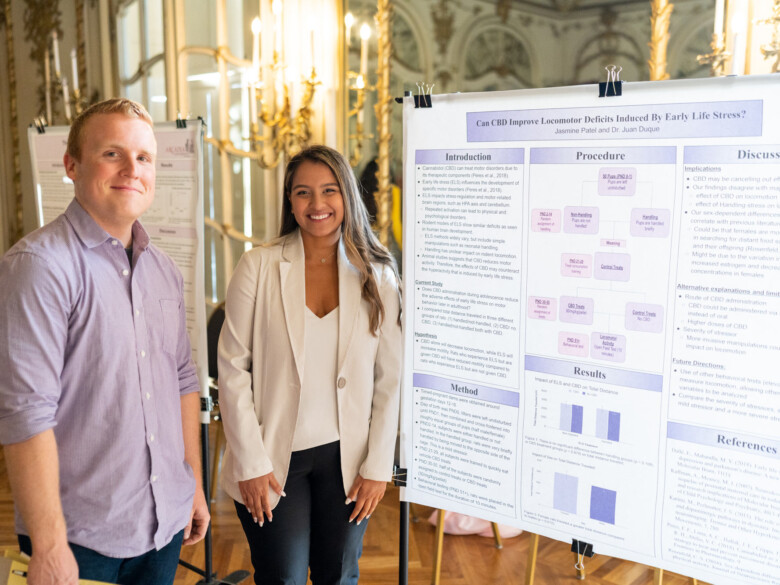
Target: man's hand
199	519
34	474
190	424
366	493
254	493
56	566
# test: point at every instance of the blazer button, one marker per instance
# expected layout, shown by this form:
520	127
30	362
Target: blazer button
342	382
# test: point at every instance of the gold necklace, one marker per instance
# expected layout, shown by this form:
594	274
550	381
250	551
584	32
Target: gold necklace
324	259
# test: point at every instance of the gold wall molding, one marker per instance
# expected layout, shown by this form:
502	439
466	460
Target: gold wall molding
15	221
41	17
772	50
659	38
384	196
443	19
502	10
81	46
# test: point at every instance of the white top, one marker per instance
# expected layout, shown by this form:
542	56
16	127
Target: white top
318	418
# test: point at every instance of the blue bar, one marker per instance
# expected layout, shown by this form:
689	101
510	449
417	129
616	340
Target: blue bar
602	424
565	417
565	493
576	419
602	504
614	426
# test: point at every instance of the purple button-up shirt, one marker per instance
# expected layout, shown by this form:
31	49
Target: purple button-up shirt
98	350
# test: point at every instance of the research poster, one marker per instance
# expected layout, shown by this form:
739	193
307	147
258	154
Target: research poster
592	307
174	222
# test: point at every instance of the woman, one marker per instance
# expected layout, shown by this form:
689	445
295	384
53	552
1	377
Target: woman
309	378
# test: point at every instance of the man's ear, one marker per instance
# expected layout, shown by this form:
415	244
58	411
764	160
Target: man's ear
70	166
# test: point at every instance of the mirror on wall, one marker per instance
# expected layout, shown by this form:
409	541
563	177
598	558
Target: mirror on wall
492	45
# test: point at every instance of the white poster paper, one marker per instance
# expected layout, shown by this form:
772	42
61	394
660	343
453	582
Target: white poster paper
592	300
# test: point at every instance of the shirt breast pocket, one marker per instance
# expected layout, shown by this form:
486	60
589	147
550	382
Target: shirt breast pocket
170	325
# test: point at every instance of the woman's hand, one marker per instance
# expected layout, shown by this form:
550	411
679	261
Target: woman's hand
366	493
256	498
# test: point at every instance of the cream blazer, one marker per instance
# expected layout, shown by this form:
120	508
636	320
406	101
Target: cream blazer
261	364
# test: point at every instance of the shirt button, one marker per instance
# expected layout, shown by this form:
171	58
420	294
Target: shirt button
342	382
154	478
137	312
151	438
114	243
125	272
148	396
143	353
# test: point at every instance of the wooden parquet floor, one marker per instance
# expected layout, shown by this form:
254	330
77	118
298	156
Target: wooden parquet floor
467	560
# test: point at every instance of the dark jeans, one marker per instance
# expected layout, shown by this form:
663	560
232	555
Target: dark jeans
310	528
156	567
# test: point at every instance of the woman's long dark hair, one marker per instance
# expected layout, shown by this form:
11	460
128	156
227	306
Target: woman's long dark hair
360	242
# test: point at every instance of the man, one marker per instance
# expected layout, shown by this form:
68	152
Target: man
98	392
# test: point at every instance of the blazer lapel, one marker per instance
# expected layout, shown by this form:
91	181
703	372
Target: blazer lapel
293	286
349	302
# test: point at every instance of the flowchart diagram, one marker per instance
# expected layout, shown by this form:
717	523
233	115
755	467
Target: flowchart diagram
602	236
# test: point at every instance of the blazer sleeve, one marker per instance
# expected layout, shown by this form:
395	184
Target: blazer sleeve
383	430
236	397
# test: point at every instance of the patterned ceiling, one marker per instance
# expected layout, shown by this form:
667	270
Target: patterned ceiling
568	6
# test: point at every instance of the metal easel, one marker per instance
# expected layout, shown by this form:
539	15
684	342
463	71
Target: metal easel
533	552
436	578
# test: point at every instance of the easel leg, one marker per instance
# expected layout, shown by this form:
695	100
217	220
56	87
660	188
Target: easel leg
580	568
403	545
439	547
658	576
530	569
215	462
497	536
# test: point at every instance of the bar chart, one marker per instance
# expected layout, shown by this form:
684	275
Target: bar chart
571	418
607	425
575	417
602	501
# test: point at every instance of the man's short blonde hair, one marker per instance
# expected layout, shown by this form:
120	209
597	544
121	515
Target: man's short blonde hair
122	106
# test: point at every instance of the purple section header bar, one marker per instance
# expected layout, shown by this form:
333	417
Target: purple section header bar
612	155
487	156
166	231
756	154
684	120
594	373
731	440
468	390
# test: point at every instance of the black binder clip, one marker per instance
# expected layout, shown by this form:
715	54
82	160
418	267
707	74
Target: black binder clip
399	476
400	100
423	97
206	404
181	123
612	86
40	124
581	548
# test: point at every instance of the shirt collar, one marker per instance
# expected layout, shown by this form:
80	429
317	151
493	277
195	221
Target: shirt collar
140	238
92	235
